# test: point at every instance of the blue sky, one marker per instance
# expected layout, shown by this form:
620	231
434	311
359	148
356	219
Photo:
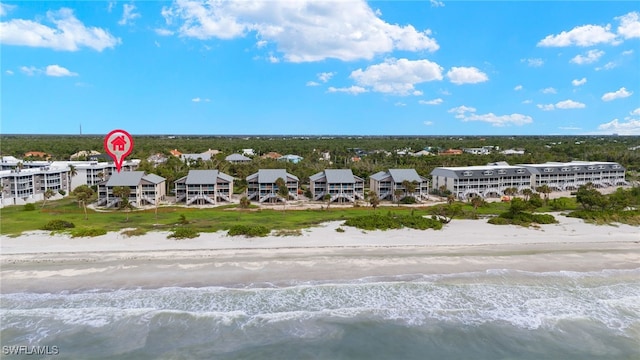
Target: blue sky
310	67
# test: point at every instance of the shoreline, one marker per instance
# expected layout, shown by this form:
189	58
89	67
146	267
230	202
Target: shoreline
38	262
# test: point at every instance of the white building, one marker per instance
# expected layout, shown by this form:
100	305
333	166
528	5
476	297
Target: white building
204	186
386	183
22	186
341	184
262	187
145	189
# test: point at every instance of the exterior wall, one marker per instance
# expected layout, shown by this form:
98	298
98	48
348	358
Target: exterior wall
268	192
27	186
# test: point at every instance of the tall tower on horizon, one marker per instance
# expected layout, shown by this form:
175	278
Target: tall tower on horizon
80	129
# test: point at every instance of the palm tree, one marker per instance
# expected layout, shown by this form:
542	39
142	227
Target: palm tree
546	190
83	193
410	187
244	202
47	195
450	199
374	200
527	193
398	194
476	202
283	191
123	193
327	198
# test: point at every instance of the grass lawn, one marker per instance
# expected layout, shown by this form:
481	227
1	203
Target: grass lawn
15	219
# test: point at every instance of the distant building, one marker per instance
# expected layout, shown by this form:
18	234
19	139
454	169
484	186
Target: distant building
271	155
386	183
484	181
195	157
512	152
237	159
21	186
85	155
204	187
37	154
262	187
248	152
571	175
451	152
145	189
291	158
340	184
175	152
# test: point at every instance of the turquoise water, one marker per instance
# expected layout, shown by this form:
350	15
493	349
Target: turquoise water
499	314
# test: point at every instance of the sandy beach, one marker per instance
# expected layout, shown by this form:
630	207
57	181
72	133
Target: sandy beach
40	262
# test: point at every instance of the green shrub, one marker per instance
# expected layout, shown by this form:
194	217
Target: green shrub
87	232
249	231
408	200
389	221
183	233
54	225
62	192
285	232
134	232
340	230
29	207
499	221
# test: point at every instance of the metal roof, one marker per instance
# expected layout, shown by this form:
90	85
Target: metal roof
269	176
379	176
200	177
480	172
153	178
203	156
237	157
573	167
336	176
125	178
400	175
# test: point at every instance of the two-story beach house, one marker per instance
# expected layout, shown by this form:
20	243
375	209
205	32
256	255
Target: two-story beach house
340	184
204	187
262	187
388	183
145	189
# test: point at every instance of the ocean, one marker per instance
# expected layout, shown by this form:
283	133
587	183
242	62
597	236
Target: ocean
494	314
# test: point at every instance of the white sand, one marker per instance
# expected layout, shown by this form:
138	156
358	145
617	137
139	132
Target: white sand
38	261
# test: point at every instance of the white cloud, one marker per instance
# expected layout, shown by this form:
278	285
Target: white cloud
273	59
569	128
303	31
353	90
128	14
619	94
630	127
437	101
586	35
69	33
163	32
9	72
546	107
110	5
608	66
397	76
627	52
549	90
570	104
566	104
537	62
635	112
6	8
466	113
325	76
528	101
576	82
629	25
312	83
591	56
428	123
518	88
400	104
197	100
58	71
436	3
30	70
466	75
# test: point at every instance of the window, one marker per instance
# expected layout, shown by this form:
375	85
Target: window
548	170
615	166
520	171
488	172
576	168
565	169
591	168
502	172
467	173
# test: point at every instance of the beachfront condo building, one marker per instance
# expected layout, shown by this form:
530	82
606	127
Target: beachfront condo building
563	176
388	184
21	186
201	187
93	172
144	189
340	184
493	179
262	187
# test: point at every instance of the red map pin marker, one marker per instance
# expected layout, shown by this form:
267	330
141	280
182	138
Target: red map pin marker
118	144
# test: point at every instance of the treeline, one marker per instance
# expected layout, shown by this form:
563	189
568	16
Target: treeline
345	151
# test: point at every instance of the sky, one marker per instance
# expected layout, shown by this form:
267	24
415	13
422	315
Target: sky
302	67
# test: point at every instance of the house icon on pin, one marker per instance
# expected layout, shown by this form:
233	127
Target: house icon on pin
118	143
